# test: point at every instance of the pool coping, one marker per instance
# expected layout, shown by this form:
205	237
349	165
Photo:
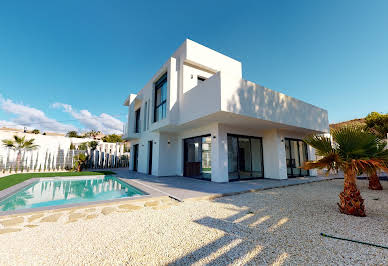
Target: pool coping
151	193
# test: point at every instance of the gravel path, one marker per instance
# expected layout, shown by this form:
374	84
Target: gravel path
276	226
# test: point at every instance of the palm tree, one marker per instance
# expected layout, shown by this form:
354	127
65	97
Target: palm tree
80	161
374	181
19	144
354	151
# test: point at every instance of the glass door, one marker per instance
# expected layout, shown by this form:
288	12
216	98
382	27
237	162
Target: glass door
296	155
197	157
245	157
232	158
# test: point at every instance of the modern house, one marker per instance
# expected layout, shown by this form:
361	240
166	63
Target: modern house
198	117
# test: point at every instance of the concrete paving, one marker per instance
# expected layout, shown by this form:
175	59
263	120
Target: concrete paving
184	188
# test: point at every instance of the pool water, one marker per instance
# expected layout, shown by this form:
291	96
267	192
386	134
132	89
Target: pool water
68	190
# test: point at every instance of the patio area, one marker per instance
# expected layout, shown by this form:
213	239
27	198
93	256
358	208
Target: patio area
184	188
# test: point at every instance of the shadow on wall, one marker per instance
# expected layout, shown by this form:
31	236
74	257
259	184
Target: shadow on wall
257	101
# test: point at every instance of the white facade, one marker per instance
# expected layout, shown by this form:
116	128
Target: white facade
207	96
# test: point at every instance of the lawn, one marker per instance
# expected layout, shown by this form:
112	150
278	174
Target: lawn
11	180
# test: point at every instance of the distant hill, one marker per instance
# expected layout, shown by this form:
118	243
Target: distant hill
357	121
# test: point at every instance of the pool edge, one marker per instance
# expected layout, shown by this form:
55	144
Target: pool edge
11	190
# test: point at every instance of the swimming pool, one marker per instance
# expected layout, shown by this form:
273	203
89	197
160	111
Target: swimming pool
68	190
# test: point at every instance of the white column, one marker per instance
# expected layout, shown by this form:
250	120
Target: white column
274	153
311	157
219	154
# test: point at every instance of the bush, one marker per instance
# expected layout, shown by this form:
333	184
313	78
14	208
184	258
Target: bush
112	138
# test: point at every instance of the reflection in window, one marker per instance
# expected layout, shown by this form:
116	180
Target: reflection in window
137	121
160	98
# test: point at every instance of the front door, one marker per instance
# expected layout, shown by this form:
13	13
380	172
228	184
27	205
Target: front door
296	155
135	157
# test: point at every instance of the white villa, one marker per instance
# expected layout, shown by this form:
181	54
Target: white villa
197	117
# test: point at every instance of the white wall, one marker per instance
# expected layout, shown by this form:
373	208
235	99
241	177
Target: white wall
52	151
247	98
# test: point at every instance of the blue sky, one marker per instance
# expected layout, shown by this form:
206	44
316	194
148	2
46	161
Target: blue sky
76	61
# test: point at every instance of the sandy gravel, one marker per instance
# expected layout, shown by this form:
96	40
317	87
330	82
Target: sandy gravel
277	226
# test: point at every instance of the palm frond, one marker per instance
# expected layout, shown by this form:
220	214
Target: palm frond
330	162
320	143
8	143
354	142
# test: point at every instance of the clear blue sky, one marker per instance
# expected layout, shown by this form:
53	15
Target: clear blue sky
92	54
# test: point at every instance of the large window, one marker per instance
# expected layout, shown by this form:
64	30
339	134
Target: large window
245	157
137	121
160	98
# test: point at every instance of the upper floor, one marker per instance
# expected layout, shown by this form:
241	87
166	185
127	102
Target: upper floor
199	84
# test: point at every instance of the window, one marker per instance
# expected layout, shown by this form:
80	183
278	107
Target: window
160	98
200	79
137	121
145	116
148	115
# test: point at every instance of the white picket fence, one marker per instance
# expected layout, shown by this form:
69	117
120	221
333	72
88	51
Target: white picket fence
38	161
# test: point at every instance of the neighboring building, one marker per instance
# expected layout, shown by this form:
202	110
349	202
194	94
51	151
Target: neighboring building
197	117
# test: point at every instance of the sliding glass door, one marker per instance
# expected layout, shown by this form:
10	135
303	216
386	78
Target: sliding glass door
296	155
197	157
245	157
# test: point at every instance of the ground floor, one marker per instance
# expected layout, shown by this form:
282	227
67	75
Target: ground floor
223	153
279	226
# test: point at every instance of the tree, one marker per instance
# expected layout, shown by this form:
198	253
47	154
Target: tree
80	162
354	151
19	144
83	146
72	134
112	138
72	147
92	134
35	131
377	123
93	144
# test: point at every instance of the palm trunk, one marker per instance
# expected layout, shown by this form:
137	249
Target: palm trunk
351	201
374	182
18	157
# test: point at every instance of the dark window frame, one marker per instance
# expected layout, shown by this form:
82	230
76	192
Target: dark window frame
291	175
137	121
238	163
163	103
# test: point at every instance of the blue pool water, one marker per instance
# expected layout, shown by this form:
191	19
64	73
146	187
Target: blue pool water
68	190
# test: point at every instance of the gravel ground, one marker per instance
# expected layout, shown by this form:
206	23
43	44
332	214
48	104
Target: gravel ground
276	226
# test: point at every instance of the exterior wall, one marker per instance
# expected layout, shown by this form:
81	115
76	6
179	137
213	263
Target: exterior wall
249	99
222	95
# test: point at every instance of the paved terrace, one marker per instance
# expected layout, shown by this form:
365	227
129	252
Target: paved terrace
183	188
